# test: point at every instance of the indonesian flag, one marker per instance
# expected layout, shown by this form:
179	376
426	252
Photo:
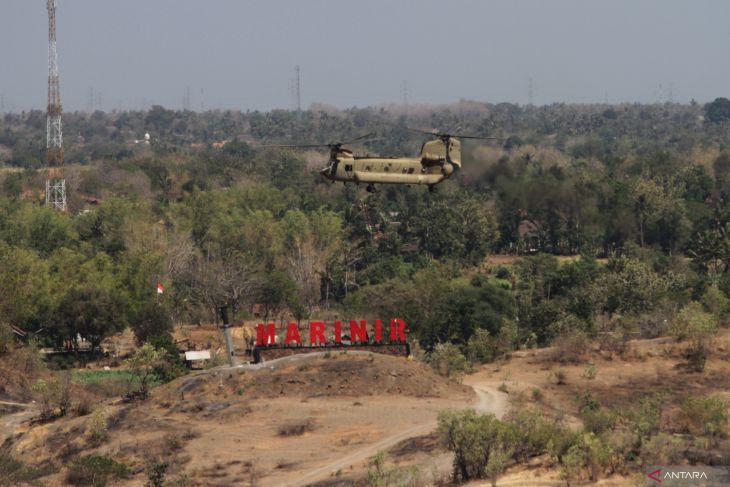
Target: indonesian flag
160	288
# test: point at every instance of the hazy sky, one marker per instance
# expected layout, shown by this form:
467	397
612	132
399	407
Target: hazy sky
241	54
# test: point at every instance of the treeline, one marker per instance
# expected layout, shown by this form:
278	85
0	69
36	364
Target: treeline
640	192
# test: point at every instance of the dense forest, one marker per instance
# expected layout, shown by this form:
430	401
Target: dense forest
620	214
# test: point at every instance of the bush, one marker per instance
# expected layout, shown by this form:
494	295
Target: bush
14	472
64	393
96	471
143	362
715	302
591	371
448	360
645	419
47	392
156	474
151	322
99	425
707	416
571	347
559	377
529	434
597	420
693	323
481	347
296	428
662	449
7	340
698	326
382	475
472	438
84	407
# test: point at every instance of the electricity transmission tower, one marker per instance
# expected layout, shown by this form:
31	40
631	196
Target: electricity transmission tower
298	92
55	184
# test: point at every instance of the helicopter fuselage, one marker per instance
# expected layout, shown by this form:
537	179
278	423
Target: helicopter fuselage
434	166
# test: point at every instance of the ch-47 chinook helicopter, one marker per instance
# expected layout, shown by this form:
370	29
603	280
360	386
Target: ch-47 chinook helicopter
439	159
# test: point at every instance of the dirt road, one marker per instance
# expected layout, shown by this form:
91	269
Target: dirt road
489	400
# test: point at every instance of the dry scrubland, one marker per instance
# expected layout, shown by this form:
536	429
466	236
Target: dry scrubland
360	418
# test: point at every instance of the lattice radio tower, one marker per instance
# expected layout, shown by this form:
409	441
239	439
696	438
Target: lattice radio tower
55	184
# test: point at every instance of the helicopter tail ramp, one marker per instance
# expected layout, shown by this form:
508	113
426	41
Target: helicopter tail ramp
395	178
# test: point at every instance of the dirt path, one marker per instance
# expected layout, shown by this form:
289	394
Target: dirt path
489	400
10	422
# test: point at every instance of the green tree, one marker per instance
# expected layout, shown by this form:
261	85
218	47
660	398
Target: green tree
89	312
718	110
143	363
152	321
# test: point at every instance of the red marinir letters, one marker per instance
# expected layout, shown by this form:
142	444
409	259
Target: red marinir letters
359	333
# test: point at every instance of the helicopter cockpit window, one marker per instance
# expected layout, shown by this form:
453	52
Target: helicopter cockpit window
348	167
410	170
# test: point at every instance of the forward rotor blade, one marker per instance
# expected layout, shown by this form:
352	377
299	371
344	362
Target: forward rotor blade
434	133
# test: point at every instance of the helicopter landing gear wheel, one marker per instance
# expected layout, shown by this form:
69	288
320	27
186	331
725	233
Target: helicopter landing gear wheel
432	189
370	188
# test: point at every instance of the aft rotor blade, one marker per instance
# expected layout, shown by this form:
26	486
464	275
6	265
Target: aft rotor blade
297	145
356	139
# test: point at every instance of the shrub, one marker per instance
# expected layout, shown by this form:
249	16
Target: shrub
529	434
14	472
7	341
572	463
448	360
481	347
47	392
64	393
472	438
382	475
99	425
536	394
496	464
571	347
598	454
558	377
698	326
29	360
591	371
84	407
707	416
662	449
151	322
693	323
143	362
96	471
645	419
156	474
716	303
597	420
297	428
